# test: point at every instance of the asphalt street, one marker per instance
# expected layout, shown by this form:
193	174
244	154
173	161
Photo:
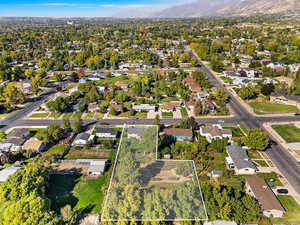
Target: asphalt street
287	165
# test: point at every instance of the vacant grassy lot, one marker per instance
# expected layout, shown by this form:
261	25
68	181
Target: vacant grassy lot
267	108
77	191
292	215
289	132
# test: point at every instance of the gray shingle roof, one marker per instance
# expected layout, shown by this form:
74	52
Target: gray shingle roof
239	157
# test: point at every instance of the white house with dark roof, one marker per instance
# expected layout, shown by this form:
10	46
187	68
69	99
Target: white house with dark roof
215	132
239	161
105	132
82	139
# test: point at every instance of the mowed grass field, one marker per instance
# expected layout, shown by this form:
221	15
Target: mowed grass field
268	108
292	215
79	192
289	132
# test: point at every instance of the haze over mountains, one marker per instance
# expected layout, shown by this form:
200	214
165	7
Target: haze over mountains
201	8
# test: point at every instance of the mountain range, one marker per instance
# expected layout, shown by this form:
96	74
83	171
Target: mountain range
201	8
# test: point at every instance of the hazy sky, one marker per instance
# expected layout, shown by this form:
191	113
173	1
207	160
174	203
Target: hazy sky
87	8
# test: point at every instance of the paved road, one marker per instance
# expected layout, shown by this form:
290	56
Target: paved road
287	165
14	118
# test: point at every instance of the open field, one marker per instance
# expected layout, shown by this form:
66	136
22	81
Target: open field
289	132
77	191
269	108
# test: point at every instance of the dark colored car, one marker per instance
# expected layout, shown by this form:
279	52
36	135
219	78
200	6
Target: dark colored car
297	114
104	124
282	191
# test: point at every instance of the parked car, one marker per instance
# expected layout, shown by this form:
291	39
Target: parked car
282	191
104	124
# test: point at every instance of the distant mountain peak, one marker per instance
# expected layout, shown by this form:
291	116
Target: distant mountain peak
229	7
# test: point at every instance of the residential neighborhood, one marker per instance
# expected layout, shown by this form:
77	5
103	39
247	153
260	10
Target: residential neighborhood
149	121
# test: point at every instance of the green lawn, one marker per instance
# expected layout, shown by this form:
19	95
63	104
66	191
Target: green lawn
271	178
167	114
289	132
141	115
169	99
57	149
77	191
67	115
39	115
55	115
227	79
292	215
261	163
183	112
266	108
236	131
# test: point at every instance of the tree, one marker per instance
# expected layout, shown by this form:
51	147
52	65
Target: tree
247	92
256	139
220	96
52	134
77	125
2	135
267	89
66	124
13	95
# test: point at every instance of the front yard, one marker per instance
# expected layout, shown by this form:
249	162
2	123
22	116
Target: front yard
289	132
269	108
292	215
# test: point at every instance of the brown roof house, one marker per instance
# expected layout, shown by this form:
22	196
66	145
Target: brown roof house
170	106
192	84
34	144
215	132
258	188
179	134
121	84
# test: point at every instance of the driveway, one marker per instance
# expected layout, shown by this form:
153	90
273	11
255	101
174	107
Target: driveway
152	114
177	114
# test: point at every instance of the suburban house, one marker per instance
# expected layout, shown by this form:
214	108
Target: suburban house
93	107
170	106
34	144
179	134
190	106
122	85
192	84
135	132
105	132
280	99
8	171
143	108
16	143
22	133
201	95
215	132
82	139
238	160
259	189
97	167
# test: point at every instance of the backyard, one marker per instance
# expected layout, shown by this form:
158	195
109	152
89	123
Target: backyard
289	132
268	108
82	193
